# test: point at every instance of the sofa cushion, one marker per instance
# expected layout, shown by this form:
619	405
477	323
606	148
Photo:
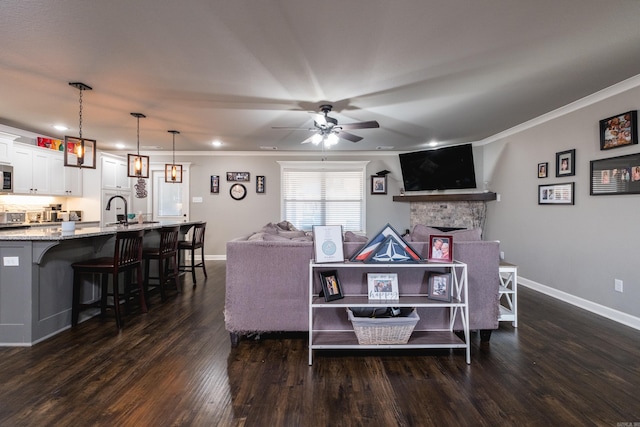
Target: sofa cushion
421	233
275	237
350	236
471	235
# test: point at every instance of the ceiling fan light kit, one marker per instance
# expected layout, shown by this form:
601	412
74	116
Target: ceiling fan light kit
329	132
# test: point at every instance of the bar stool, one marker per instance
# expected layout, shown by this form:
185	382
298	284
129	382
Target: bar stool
127	256
167	256
197	241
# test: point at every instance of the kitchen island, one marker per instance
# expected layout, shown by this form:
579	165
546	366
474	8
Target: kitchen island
36	278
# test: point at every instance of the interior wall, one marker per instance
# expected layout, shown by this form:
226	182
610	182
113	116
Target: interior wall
576	249
228	218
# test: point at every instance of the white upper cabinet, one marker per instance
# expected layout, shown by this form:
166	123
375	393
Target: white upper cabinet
114	174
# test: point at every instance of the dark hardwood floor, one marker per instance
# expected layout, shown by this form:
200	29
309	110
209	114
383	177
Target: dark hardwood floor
174	366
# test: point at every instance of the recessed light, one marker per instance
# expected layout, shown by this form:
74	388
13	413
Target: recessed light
60	127
384	147
120	145
216	143
433	144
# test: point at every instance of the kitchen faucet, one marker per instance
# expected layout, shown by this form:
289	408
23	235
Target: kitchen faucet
125	221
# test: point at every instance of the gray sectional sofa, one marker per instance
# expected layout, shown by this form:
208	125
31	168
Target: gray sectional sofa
267	281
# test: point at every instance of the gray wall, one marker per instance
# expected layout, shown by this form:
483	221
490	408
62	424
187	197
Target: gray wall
577	249
227	218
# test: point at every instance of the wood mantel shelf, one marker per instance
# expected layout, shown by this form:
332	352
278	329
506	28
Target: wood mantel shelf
466	197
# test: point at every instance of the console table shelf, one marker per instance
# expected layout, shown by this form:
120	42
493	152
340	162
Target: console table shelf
467	197
330	329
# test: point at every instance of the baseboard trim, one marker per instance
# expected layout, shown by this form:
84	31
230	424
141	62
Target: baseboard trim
601	310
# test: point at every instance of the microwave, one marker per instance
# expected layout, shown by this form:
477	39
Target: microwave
6	173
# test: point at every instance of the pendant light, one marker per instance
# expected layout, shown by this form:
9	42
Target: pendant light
138	166
80	152
173	172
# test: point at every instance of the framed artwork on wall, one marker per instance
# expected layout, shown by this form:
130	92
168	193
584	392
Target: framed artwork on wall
378	184
566	163
260	184
619	131
615	175
543	169
215	184
556	194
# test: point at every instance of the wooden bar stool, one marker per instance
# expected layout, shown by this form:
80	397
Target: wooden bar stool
197	241
167	256
127	257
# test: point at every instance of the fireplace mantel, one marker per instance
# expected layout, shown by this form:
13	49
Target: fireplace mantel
466	197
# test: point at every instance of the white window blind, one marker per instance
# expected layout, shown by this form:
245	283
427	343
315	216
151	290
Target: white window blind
324	193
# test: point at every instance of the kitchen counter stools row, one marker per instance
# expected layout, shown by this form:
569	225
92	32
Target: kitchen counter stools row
129	258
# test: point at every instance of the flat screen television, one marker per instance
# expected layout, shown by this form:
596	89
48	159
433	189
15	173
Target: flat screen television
445	168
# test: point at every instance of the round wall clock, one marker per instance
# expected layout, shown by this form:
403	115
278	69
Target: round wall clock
238	191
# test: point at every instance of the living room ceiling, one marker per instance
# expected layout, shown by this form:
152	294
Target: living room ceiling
450	71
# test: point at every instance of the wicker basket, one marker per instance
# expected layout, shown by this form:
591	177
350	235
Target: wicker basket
391	330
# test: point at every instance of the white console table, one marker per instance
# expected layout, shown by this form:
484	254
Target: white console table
508	293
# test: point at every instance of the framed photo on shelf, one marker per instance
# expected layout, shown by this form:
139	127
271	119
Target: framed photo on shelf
331	289
383	286
215	184
439	287
619	131
378	184
543	169
327	243
440	248
565	163
556	194
238	176
260	184
615	175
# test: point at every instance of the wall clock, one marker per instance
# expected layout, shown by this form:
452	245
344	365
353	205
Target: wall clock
238	191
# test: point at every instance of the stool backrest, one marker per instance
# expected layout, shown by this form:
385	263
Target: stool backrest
169	236
197	239
128	250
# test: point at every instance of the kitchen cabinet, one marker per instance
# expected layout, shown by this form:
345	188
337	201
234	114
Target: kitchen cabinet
41	171
32	170
6	147
114	174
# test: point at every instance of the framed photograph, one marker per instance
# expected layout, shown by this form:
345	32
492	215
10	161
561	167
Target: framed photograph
378	184
331	288
79	152
565	163
619	131
238	176
260	184
542	169
556	194
440	248
215	184
327	243
615	175
439	287
383	286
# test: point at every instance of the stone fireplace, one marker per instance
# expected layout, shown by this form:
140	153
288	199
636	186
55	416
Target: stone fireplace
448	210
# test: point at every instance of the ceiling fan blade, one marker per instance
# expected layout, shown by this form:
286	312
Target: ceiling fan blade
306	141
319	119
349	136
361	125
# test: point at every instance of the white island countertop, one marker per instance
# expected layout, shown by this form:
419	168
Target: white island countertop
54	232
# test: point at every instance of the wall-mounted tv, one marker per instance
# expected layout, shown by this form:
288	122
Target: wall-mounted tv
443	168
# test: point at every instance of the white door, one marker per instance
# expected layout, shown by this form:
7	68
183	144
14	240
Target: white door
170	200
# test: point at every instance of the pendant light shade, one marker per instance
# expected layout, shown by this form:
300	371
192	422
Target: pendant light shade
173	172
138	166
79	152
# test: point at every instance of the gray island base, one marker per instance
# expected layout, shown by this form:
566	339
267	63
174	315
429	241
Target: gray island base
36	278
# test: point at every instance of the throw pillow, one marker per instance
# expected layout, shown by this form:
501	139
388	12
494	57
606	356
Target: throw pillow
274	238
290	234
270	228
